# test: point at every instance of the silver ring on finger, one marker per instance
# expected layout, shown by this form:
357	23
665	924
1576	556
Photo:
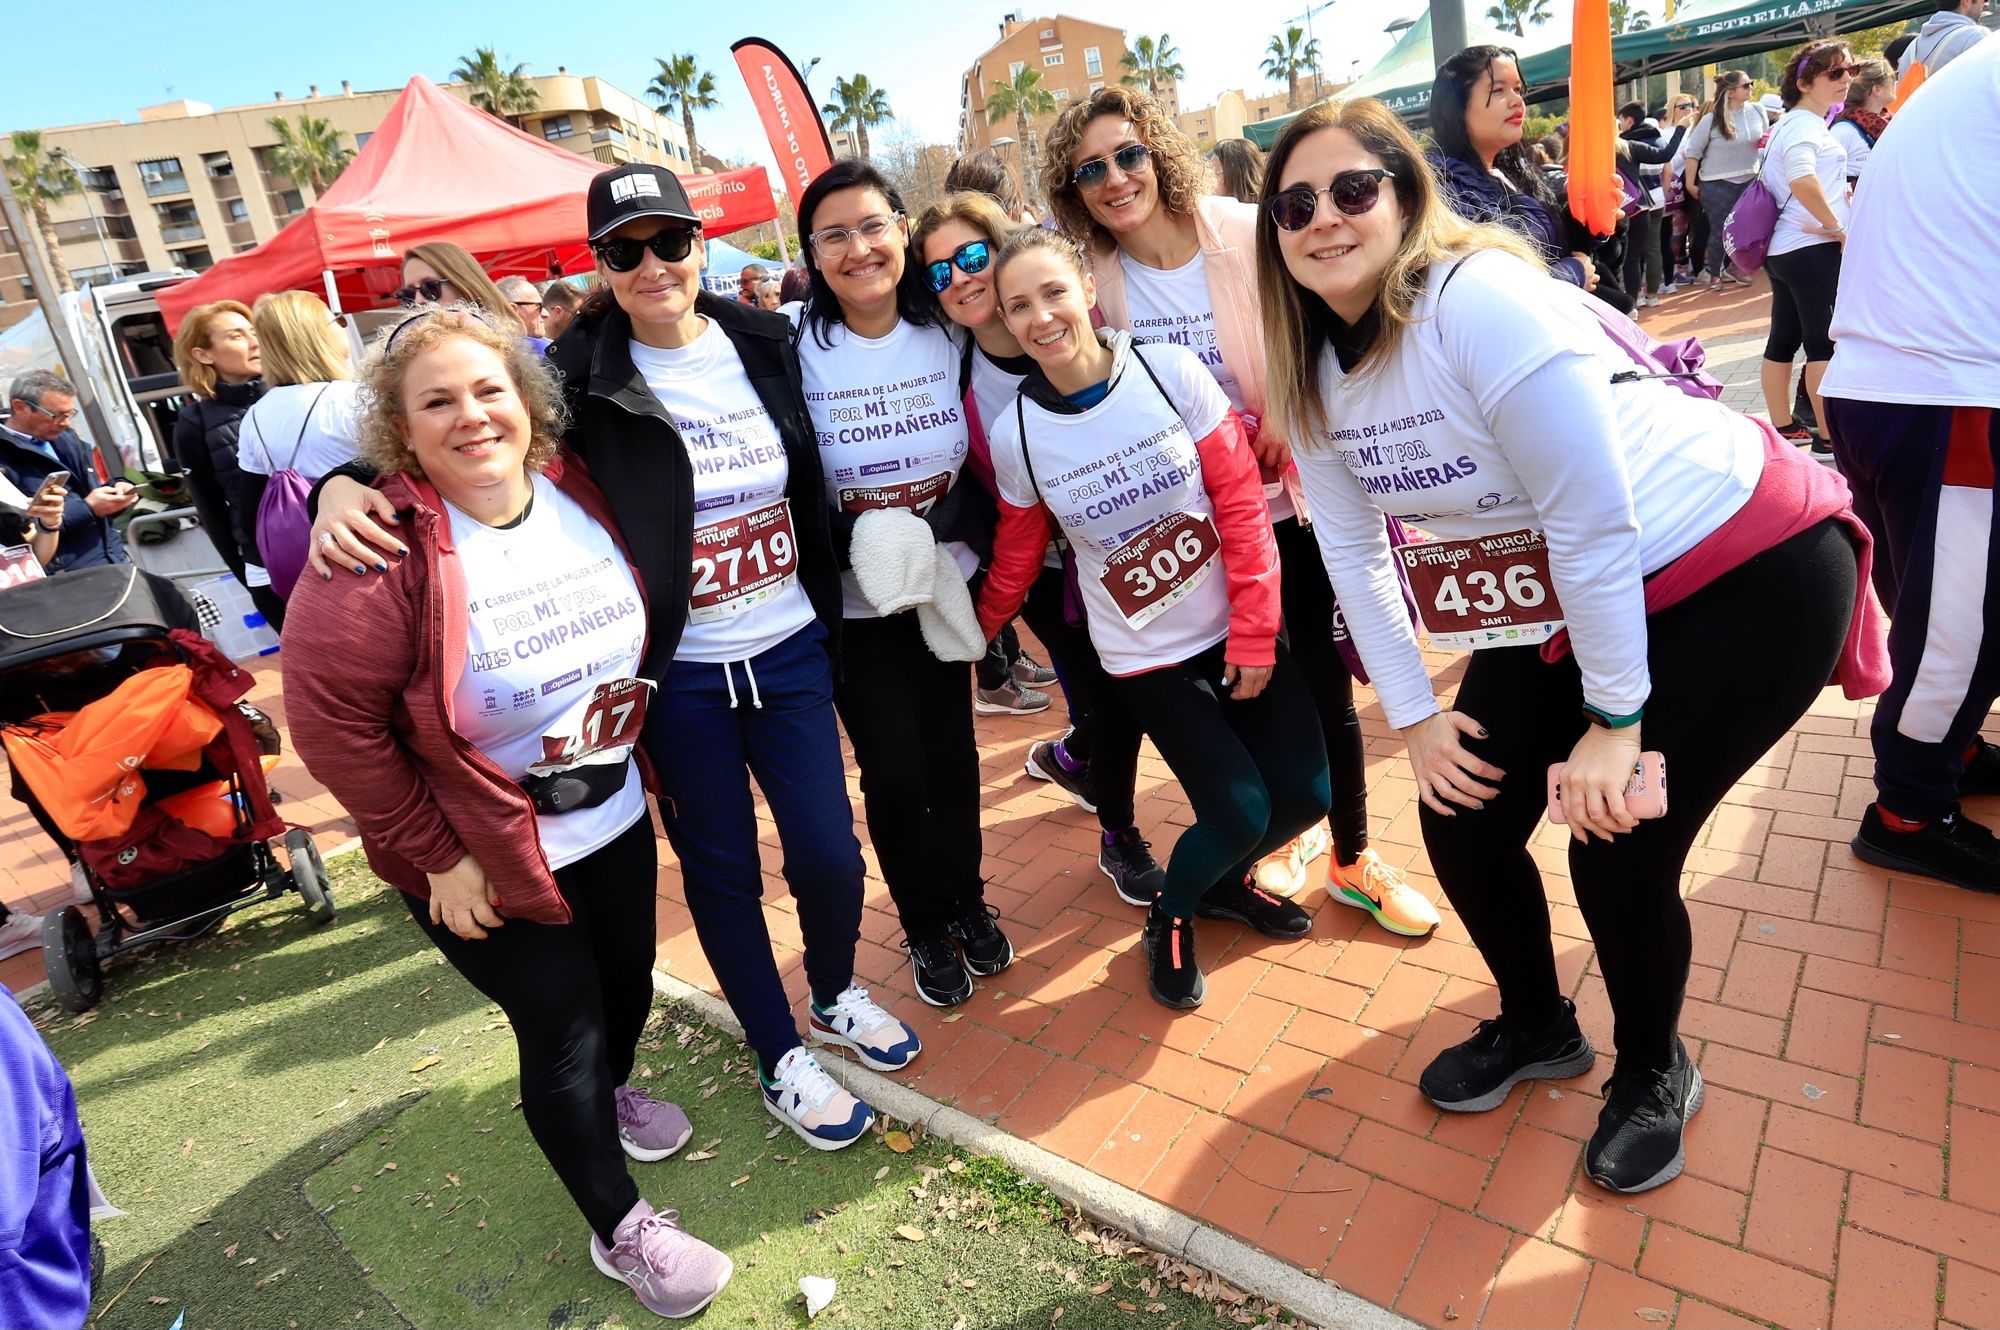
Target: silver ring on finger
326	538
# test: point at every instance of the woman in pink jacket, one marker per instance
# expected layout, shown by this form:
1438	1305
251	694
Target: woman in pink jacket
1173	263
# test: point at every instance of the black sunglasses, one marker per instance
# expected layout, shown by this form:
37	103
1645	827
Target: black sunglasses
1353	192
1131	159
622	254
970	258
427	291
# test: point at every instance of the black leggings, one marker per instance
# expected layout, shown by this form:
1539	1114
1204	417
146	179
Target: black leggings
1253	771
1101	732
909	716
1803	283
1309	627
577	995
1733	666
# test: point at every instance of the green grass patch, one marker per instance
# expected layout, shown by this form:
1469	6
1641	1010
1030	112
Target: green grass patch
255	1101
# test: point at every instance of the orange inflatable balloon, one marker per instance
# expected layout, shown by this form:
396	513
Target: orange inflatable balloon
1595	197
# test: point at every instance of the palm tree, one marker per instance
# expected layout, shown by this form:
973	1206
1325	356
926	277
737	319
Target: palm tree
684	85
856	105
308	151
1024	99
505	93
1152	64
1626	16
1286	58
40	175
1514	15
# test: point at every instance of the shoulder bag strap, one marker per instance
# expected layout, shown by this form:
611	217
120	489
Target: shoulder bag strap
304	425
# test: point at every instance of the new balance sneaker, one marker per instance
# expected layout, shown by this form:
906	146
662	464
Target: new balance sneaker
1045	763
1982	770
802	1096
1247	903
21	932
1008	699
981	944
674	1273
1952	848
940	974
649	1128
1171	972
1283	872
1637	1145
1372	885
1476	1075
857	1021
1128	861
1030	673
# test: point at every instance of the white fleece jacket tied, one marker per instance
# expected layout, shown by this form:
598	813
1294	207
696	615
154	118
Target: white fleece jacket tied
898	565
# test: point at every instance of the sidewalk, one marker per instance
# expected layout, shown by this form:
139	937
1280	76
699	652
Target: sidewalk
1847	1022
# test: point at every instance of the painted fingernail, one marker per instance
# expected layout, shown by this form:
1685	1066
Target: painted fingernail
359	569
326	577
401	552
1482	732
395	519
381	567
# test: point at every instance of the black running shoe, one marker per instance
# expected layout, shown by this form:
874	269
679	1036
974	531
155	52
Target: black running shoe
1637	1144
1476	1075
941	977
986	949
1952	848
1043	764
1247	903
1982	771
1802	408
1128	861
1171	972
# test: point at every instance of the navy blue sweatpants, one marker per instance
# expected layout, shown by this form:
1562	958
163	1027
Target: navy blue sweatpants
1923	480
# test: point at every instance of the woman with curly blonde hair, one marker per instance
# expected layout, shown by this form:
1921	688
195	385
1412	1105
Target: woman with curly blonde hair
1173	263
475	709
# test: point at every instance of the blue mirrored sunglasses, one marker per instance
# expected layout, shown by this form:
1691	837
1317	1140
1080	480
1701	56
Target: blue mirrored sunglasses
970	258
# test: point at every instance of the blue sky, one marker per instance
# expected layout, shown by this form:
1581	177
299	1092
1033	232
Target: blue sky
103	59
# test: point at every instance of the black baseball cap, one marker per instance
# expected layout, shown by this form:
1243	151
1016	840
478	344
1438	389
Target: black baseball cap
637	189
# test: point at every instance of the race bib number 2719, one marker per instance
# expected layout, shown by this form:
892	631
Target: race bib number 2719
1491	591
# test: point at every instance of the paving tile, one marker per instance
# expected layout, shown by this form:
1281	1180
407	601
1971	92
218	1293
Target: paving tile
1186	1174
1374	1096
1780	1082
1008	1076
1531	1181
1141	1140
1454	1271
1828	1031
1939	1035
1949	1229
1883	1283
1078	1020
1887	987
1975	1148
1859	946
1856	1148
1247	1032
1382	1242
1920	943
1761	979
1971	1295
1904	1091
1795	1210
1695	1314
1976	1087
1275	1086
1539	1287
1207	1085
1253	1186
1617	1300
1312	1219
1734	1279
1451	1177
1057	1090
1729	1025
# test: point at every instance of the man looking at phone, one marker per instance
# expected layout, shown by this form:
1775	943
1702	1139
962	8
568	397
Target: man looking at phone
35	443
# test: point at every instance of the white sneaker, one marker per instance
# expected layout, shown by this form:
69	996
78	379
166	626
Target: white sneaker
21	932
858	1022
811	1103
1669	289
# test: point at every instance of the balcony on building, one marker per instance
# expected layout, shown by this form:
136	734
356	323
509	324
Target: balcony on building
221	173
198	258
163	176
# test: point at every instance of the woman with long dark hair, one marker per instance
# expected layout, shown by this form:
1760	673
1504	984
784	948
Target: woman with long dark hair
1720	162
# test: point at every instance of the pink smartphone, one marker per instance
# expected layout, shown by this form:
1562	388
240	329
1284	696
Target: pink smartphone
1645	793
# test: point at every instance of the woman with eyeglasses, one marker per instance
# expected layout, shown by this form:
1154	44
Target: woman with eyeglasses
1721	161
501	799
1171	262
1805	168
1654	563
1135	455
688	409
881	381
1096	762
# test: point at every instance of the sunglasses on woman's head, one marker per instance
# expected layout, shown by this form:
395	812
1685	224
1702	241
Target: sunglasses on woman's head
623	254
428	290
970	258
1131	159
1355	193
457	315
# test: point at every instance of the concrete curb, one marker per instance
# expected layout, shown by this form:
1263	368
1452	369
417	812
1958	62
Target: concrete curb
1158	1226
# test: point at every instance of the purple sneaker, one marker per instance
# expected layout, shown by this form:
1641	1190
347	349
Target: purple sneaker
673	1273
649	1128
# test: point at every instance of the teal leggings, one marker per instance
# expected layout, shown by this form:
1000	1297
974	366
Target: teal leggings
1255	771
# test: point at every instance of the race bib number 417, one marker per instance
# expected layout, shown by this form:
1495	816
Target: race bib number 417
1491	591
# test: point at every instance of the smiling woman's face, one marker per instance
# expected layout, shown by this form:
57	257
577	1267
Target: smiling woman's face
465	421
1123	201
969	300
658	291
865	274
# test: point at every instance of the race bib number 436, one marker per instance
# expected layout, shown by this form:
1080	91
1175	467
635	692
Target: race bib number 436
1157	569
1491	591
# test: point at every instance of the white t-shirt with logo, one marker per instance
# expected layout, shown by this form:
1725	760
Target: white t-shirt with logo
553	613
1412	439
994	388
1123	482
892	430
310	428
1801	145
746	596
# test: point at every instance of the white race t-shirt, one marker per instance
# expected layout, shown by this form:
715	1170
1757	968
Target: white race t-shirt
1800	145
1915	320
1854	143
554	613
892	431
1413	439
279	419
1123	481
746	596
994	386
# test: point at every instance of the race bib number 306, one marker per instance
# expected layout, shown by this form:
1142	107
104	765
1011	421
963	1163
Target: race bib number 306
1491	591
742	561
1158	568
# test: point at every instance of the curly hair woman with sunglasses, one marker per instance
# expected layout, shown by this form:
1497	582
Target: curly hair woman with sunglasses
1656	564
1171	263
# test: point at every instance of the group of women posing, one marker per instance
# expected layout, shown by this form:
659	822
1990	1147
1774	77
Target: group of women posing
1168	433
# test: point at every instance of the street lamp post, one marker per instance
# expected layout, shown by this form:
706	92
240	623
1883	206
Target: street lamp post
1447	30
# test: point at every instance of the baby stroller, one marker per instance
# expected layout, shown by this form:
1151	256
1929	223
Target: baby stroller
167	850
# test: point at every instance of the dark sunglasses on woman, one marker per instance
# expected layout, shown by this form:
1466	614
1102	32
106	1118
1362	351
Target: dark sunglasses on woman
1131	159
970	258
622	254
427	292
1353	192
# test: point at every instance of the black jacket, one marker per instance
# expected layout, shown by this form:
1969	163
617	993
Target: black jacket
634	452
87	539
204	448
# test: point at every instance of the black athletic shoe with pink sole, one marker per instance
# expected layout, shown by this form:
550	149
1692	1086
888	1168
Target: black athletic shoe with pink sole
1638	1142
1171	972
1476	1075
1247	903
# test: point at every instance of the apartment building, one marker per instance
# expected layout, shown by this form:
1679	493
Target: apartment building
186	184
1075	57
1209	125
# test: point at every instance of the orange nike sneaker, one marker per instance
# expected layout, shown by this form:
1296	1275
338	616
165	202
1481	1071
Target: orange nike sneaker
1372	885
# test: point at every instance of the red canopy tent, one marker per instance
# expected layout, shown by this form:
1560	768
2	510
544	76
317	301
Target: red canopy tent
437	169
